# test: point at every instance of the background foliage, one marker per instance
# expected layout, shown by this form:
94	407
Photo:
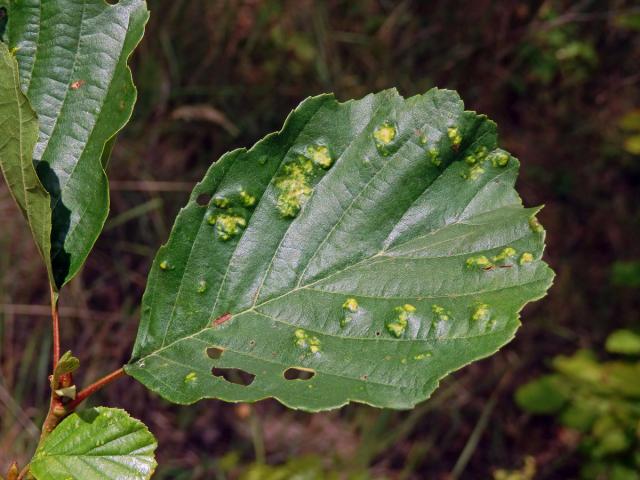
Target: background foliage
560	78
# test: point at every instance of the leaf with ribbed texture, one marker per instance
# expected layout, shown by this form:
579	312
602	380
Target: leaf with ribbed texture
100	444
72	57
360	254
19	136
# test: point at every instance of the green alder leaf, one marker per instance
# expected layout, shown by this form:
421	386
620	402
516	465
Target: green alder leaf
100	444
72	56
19	136
361	253
625	342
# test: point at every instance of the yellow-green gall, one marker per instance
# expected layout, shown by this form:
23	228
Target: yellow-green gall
481	312
294	186
227	224
454	135
164	265
479	261
499	158
385	134
422	356
320	155
408	308
202	286
350	304
190	377
398	325
473	173
481	152
470	159
247	199
526	257
535	225
221	202
441	313
434	156
306	341
505	254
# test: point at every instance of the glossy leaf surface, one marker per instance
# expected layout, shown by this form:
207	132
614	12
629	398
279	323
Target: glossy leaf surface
360	254
19	136
72	57
100	444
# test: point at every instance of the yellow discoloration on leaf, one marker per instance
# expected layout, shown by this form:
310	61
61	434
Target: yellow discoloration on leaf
398	325
294	186
385	134
481	312
526	257
454	135
320	155
479	261
350	304
535	225
441	313
306	341
473	173
505	254
227	225
247	199
499	158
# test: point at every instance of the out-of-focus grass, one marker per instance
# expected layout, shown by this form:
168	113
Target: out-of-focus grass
215	74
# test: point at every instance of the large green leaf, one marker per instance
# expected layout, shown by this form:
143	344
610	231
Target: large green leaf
72	56
19	136
98	444
375	244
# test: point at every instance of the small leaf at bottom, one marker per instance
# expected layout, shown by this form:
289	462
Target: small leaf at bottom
101	444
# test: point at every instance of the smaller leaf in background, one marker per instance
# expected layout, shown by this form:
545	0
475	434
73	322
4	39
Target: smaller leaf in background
630	124
527	472
98	444
542	396
601	401
626	274
19	136
624	342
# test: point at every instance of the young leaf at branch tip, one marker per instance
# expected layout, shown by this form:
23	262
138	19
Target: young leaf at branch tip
20	133
383	247
67	364
99	444
72	57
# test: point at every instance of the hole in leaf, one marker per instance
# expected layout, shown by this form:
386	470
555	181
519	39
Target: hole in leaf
377	334
203	199
294	373
215	352
234	375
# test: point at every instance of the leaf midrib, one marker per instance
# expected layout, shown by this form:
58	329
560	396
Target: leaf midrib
253	310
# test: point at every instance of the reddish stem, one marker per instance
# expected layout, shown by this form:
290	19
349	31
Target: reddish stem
93	388
55	320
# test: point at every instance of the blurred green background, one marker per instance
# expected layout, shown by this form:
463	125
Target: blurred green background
561	78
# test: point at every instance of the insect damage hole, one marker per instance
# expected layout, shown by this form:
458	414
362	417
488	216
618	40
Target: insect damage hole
203	199
215	352
298	373
234	375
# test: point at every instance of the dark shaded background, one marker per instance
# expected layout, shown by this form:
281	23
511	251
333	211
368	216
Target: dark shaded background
214	75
